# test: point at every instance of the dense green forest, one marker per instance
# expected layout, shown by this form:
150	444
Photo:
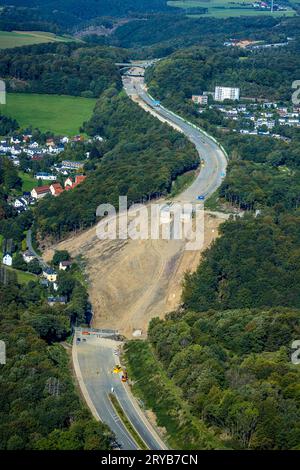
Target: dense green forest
39	407
235	372
254	263
143	157
61	68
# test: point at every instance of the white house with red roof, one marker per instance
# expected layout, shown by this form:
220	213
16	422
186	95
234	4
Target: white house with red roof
40	192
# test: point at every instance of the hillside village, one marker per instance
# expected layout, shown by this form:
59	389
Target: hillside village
60	176
250	116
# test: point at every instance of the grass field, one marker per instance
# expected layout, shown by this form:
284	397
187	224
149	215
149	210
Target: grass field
28	182
23	277
9	39
224	8
55	113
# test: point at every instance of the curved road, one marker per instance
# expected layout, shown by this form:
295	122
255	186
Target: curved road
94	356
214	168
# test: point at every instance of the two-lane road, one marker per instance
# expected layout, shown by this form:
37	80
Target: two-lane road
94	359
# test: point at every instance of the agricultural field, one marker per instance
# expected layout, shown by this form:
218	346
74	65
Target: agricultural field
224	8
10	39
59	114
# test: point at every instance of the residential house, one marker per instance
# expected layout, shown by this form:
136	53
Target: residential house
45	176
40	192
56	301
56	189
50	142
28	256
79	179
69	182
64	265
7	259
69	165
200	99
50	274
20	203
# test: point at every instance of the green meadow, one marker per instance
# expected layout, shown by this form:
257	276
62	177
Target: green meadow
9	39
59	114
224	8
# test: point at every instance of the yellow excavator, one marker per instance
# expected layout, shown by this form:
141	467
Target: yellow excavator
117	369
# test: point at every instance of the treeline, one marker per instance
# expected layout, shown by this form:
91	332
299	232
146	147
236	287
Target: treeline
61	68
7	125
234	369
9	180
143	157
39	407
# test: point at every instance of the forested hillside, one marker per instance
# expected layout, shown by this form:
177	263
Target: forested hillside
166	33
39	407
235	371
143	157
61	15
254	263
67	69
264	74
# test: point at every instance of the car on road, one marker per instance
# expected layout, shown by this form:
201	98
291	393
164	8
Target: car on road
201	197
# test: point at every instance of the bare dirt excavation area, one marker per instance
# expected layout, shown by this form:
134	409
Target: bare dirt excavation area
132	281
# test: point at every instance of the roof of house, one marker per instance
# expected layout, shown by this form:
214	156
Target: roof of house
42	189
79	179
57	188
57	299
28	253
48	270
66	263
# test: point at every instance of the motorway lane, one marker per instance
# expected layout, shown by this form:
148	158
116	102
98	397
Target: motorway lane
97	358
213	171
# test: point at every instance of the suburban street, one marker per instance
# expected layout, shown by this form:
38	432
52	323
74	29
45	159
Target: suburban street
94	358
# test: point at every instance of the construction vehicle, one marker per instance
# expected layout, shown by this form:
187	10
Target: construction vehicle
117	369
124	376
